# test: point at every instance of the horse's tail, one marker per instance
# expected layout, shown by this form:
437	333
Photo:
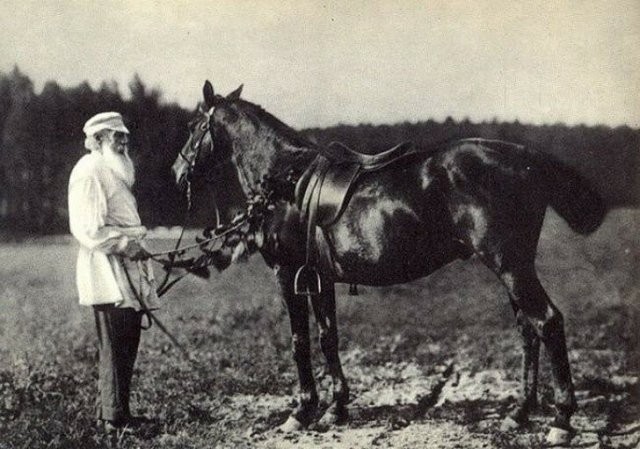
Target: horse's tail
571	195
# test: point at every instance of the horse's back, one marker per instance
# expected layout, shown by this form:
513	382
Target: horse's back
406	220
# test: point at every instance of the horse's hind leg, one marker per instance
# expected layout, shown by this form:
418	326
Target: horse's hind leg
324	306
547	322
530	359
298	309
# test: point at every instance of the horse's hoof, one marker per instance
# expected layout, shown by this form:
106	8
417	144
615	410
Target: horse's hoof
509	425
333	416
559	437
291	425
327	420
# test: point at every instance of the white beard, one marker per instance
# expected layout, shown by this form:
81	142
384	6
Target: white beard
121	164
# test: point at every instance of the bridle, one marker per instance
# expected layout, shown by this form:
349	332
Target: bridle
205	127
173	256
196	149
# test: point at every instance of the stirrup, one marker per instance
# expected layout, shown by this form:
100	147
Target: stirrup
304	286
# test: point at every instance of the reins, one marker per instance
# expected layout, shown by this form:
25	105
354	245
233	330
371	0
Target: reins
170	262
152	319
182	249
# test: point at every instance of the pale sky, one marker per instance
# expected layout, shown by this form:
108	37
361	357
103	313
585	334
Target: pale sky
319	63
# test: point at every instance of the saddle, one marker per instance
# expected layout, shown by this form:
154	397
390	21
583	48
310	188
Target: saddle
323	187
322	194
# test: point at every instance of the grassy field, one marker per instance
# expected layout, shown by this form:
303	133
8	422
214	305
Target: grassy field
396	344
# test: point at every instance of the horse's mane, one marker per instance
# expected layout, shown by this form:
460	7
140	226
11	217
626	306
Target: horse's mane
260	116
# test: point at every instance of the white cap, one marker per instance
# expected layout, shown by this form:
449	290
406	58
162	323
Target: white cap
104	120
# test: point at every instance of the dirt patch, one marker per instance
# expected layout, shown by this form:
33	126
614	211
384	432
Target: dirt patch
430	434
404	405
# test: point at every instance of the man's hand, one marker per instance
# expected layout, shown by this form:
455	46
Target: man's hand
135	251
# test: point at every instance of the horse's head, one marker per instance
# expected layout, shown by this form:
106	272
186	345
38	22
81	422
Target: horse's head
204	142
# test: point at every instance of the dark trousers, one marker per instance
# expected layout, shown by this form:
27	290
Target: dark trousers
118	339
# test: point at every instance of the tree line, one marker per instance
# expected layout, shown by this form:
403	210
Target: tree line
41	139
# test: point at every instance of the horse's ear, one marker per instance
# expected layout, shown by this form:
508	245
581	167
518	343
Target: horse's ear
235	94
209	96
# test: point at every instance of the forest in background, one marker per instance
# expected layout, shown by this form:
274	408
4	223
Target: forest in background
41	139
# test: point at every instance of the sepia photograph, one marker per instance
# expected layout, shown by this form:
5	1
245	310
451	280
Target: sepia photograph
244	224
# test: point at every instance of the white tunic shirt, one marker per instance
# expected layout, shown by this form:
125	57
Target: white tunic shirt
103	217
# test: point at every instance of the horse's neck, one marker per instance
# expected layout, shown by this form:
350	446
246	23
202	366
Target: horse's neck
262	155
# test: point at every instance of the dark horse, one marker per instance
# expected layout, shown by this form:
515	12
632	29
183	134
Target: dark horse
400	223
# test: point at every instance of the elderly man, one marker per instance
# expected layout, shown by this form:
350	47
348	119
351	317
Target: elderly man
113	273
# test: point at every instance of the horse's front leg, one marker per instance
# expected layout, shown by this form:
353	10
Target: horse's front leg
298	309
324	307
